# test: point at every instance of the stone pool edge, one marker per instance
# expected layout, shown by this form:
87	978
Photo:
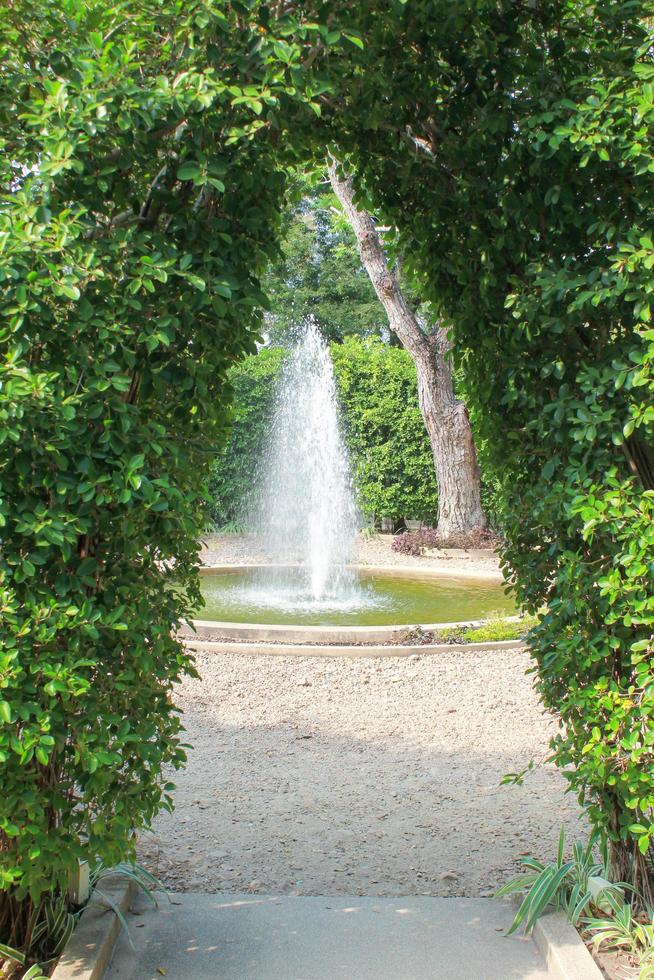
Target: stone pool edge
209	629
391	571
344	650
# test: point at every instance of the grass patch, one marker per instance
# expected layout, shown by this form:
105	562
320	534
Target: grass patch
493	631
500	629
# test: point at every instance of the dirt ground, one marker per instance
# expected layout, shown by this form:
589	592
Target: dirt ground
350	777
369	550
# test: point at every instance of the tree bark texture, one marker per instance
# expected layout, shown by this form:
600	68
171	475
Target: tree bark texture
445	416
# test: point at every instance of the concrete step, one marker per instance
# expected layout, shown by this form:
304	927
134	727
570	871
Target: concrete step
252	937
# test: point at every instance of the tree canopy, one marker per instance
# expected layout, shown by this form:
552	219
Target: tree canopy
319	275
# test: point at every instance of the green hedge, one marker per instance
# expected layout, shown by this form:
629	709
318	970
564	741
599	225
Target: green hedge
391	457
529	222
129	285
234	469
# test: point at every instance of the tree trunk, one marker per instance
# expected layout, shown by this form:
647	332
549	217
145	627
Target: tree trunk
445	416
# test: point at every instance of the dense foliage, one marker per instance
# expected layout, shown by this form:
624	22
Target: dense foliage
391	457
511	146
143	174
319	274
235	467
390	454
143	161
417	542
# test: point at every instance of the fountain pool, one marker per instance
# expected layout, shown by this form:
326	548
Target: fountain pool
305	518
378	599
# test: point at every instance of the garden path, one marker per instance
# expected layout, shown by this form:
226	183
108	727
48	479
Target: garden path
313	776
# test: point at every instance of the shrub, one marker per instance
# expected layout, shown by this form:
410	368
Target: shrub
407	543
417	542
140	203
234	468
524	205
389	447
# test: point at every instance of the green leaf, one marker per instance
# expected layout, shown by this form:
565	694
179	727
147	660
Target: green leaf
12	954
69	290
190	170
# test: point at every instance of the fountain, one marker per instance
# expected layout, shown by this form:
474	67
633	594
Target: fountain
305	511
305	514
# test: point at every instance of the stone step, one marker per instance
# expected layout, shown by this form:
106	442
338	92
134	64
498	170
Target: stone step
253	937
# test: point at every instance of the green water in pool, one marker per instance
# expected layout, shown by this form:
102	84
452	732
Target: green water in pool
376	600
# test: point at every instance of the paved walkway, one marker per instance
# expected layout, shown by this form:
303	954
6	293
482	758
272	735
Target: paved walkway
250	937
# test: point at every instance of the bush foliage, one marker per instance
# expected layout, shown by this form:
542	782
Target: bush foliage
391	457
524	204
389	449
417	542
234	468
143	175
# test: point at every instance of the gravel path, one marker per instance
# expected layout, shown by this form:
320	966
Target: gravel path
352	777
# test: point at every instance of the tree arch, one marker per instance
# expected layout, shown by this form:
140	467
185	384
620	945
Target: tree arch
144	171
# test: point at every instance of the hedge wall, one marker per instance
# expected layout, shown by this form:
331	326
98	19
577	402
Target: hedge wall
232	473
391	456
140	201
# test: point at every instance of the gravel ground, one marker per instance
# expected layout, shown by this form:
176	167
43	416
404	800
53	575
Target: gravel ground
351	777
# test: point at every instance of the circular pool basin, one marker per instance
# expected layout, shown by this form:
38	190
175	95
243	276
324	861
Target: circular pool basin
377	599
